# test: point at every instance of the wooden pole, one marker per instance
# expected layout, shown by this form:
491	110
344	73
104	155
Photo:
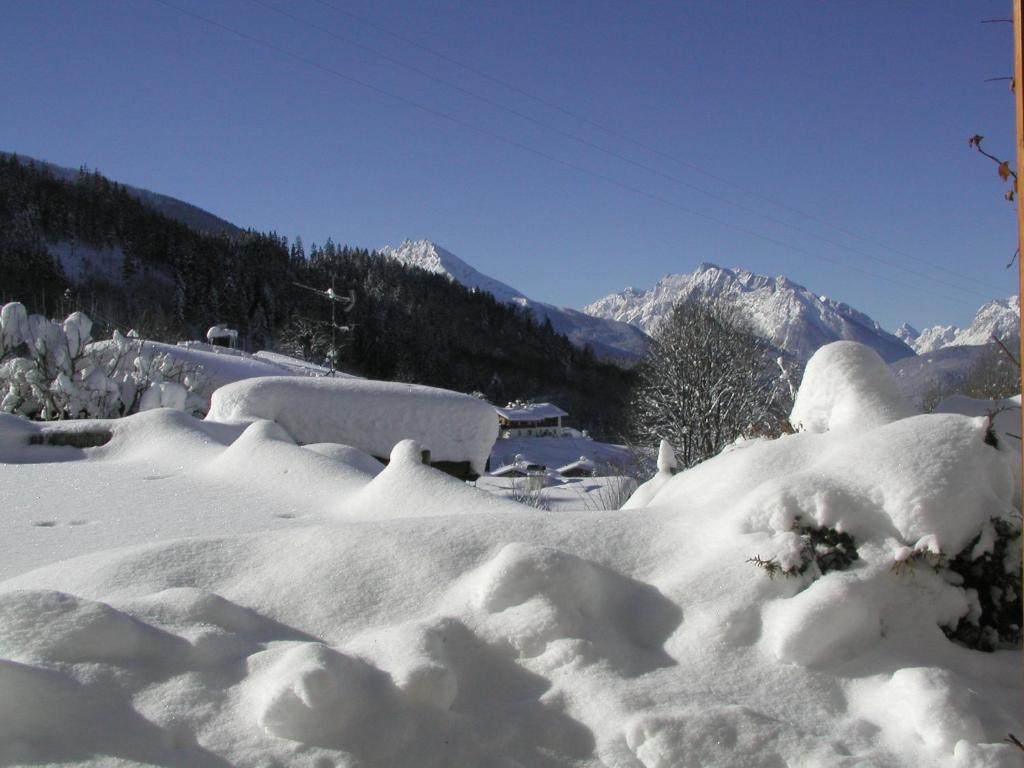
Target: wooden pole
1018	91
1018	98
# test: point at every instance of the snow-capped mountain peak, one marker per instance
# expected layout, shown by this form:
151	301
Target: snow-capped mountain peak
608	338
999	318
782	311
428	255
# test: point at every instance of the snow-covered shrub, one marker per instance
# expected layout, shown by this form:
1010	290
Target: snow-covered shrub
817	550
50	370
988	569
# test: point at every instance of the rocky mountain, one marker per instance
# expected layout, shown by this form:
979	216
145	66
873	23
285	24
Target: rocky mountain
1000	318
787	314
607	337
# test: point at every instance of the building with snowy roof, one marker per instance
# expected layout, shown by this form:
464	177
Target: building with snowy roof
521	419
582	467
520	467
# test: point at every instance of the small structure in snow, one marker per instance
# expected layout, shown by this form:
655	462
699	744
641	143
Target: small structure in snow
582	467
374	416
519	419
221	336
520	467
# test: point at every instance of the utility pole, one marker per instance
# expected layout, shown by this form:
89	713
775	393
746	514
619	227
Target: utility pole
1018	194
1018	100
347	302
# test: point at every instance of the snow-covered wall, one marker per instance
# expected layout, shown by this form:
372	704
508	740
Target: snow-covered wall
371	415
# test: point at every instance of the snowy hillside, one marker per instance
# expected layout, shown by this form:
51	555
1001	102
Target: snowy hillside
787	314
188	214
1000	318
608	338
938	371
201	593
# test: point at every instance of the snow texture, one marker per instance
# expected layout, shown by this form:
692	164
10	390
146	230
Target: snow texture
846	385
209	594
371	415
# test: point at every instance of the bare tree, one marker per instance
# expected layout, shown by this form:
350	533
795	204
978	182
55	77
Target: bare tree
706	380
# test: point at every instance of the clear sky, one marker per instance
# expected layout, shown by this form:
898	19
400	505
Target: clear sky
567	148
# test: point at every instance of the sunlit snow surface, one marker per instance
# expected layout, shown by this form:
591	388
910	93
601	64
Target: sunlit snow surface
271	604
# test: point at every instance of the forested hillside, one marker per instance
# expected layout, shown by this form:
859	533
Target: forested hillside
129	266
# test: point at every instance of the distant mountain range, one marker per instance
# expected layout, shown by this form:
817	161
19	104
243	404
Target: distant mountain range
999	318
188	214
607	337
617	326
790	316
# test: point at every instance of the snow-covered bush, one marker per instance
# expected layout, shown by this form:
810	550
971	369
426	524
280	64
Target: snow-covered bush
50	370
871	507
988	569
816	551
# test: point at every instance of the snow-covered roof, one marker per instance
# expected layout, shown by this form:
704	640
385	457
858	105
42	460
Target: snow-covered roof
530	411
520	465
220	332
581	463
373	416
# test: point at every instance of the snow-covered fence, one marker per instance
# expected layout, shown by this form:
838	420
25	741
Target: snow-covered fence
374	416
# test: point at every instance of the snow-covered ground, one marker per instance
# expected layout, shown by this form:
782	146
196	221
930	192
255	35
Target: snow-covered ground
208	594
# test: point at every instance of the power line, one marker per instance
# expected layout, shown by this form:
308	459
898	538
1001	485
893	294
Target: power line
675	158
624	158
544	155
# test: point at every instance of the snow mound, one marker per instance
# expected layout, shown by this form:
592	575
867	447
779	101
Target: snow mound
925	703
53	626
846	385
796	601
314	694
371	415
538	600
725	736
667	467
387	494
832	619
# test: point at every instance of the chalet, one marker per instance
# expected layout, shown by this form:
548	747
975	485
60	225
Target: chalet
520	467
521	419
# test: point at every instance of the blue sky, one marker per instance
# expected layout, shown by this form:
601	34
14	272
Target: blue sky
823	141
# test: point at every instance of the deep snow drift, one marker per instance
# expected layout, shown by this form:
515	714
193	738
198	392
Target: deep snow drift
371	415
399	617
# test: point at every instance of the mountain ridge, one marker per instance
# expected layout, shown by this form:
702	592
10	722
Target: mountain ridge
998	318
786	313
188	214
607	338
